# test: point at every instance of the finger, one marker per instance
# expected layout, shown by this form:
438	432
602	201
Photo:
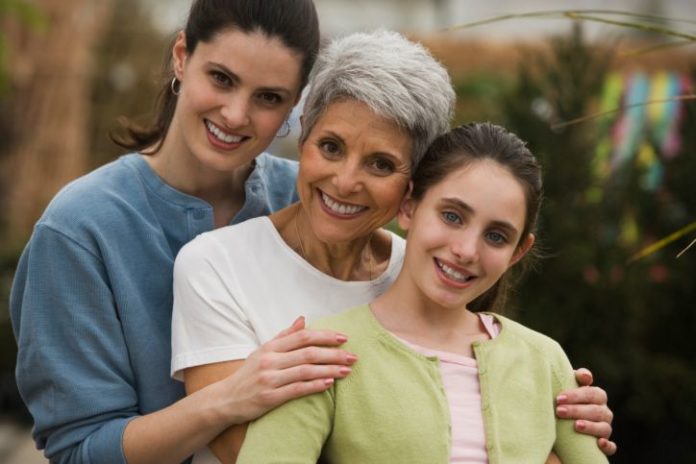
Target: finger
297	325
306	373
584	377
304	338
582	395
585	412
278	396
313	355
608	447
595	429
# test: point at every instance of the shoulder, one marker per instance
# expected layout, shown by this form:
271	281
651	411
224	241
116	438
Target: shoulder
234	239
276	168
357	323
519	334
95	202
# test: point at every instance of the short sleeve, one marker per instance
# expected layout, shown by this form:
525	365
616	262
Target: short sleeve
209	323
73	369
293	433
570	446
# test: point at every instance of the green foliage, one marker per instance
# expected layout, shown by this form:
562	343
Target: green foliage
631	324
28	15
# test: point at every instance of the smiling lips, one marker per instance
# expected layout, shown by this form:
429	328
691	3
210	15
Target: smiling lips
221	138
336	208
456	277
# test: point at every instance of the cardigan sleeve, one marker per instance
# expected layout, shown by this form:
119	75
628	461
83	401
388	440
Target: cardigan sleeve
571	447
293	433
73	369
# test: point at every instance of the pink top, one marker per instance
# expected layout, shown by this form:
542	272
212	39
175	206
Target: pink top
460	378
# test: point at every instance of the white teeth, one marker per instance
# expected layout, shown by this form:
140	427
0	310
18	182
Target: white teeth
339	207
453	274
221	136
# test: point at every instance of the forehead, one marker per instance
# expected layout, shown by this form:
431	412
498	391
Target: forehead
489	188
355	122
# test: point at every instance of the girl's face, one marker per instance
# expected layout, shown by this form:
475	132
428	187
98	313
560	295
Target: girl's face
354	171
236	91
464	233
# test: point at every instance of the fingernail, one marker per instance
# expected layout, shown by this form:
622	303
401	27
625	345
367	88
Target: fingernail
351	358
561	399
561	411
580	425
328	381
341	338
345	370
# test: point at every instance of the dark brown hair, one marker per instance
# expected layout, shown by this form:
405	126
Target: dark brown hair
294	22
480	141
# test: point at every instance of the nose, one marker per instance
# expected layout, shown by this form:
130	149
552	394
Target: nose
347	178
465	246
235	110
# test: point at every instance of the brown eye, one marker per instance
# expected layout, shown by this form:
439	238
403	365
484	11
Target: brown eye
270	98
382	166
329	148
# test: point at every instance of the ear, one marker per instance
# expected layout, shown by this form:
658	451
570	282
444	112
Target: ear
406	209
522	250
179	55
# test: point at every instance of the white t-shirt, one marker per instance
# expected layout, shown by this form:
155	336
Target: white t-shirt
238	286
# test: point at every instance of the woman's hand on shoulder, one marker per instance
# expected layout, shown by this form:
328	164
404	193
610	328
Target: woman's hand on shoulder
587	405
297	362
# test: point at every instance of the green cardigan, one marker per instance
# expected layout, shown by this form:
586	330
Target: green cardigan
393	407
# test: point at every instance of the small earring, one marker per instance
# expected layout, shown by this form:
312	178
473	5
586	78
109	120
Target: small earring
175	86
285	130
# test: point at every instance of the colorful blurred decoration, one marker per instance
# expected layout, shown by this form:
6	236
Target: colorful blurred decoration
646	129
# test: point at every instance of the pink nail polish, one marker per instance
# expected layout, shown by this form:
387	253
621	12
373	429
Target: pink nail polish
580	425
328	381
561	399
341	338
351	358
345	370
561	411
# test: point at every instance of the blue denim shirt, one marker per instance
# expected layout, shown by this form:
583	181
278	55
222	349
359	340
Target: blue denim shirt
91	301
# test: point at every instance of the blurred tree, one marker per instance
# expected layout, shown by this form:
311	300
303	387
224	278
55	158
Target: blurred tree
49	75
631	324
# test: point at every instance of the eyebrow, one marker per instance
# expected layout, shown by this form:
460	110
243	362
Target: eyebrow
236	79
468	209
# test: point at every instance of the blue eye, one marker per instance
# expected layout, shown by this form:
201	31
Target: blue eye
451	217
496	238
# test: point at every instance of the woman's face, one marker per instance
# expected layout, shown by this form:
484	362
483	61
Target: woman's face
464	233
236	91
354	171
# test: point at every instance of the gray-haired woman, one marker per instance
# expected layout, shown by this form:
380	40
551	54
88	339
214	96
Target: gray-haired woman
376	102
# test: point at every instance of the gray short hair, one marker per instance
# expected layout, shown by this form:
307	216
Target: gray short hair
398	79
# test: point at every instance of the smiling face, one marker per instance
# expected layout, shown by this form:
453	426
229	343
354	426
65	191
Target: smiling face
354	171
464	233
232	101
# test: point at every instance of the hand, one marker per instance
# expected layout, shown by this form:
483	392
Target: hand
297	362
588	406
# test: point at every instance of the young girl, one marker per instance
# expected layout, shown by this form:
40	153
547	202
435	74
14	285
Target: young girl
438	379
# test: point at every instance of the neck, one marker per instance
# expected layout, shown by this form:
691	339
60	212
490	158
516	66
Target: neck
404	310
224	191
361	259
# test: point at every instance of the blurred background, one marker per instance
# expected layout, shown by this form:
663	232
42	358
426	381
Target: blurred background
620	174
